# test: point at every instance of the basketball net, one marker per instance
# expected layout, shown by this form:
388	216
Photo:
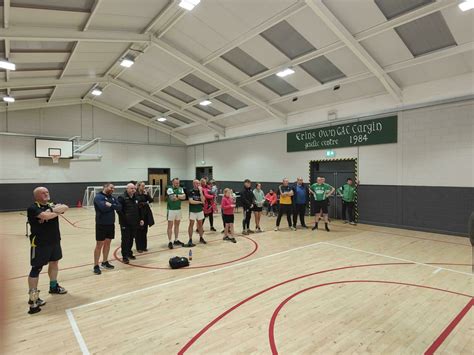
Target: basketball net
55	158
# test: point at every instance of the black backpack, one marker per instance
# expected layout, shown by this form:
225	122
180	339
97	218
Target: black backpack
178	262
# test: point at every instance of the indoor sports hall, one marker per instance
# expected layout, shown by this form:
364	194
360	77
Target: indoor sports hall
236	177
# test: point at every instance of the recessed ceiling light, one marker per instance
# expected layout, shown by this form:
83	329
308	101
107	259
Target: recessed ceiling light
8	99
189	4
285	72
205	103
96	92
161	119
127	62
466	5
5	64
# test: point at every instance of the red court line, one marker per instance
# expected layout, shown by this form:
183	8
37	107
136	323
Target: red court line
271	327
233	308
191	267
442	337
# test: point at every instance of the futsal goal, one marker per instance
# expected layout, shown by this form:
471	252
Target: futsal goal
92	191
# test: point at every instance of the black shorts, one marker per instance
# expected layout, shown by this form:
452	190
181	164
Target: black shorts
228	218
257	209
104	231
321	205
42	255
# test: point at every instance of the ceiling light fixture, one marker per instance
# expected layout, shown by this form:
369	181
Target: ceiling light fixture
9	99
189	4
466	5
161	119
96	92
127	62
5	64
285	72
205	103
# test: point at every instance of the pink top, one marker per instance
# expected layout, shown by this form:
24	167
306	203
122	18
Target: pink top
272	199
227	205
208	204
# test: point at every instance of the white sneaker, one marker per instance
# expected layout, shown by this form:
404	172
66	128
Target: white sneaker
277	229
352	223
293	228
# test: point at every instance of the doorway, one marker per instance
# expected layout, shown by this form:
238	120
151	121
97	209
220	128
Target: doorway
204	171
335	172
160	177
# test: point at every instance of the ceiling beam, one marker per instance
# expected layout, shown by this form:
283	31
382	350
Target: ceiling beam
22	33
92	14
34	82
346	37
169	106
18	106
6	13
158	114
216	77
137	118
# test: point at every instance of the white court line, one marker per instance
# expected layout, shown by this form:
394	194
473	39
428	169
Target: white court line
77	332
399	259
75	327
437	270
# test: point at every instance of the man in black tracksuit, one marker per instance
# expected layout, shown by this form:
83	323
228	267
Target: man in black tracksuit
129	219
248	202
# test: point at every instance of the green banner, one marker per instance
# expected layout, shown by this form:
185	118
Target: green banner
370	132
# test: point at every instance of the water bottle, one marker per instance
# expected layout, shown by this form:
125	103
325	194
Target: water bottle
190	254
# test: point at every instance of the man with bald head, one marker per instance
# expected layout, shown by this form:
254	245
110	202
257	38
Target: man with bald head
45	241
129	219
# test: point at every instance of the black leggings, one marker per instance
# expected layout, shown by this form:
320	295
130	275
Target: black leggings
349	208
211	219
285	209
246	220
141	238
300	210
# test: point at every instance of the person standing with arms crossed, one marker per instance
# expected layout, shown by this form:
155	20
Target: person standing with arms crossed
45	239
228	205
105	205
129	219
300	199
257	210
146	214
286	204
348	192
175	195
321	192
196	203
248	202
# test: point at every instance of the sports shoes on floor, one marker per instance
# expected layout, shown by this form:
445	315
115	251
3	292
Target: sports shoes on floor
39	302
178	242
34	310
277	229
315	227
125	261
352	223
326	227
96	270
170	245
59	290
190	244
133	257
202	241
233	240
250	231
245	232
293	228
213	229
226	238
107	265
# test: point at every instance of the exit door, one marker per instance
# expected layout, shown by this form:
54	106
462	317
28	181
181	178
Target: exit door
161	180
336	173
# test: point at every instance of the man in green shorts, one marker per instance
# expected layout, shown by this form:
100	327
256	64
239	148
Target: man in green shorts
175	194
348	193
321	191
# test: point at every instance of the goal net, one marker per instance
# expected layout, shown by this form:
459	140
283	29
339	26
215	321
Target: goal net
92	191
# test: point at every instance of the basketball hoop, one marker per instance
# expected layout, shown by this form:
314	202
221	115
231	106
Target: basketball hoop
55	158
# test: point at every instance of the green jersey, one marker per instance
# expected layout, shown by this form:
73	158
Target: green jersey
320	191
195	195
173	202
348	192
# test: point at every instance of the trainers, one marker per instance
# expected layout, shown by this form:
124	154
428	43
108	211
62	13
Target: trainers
178	242
133	257
170	245
125	261
107	265
293	228
34	310
59	290
352	223
226	238
140	251
304	227
39	302
201	240
97	270
277	229
245	232
190	244
213	229
233	240
250	231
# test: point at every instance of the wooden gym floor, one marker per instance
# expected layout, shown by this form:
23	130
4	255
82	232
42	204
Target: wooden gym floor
361	289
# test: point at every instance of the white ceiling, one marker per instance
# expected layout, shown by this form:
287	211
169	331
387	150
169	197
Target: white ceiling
66	50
